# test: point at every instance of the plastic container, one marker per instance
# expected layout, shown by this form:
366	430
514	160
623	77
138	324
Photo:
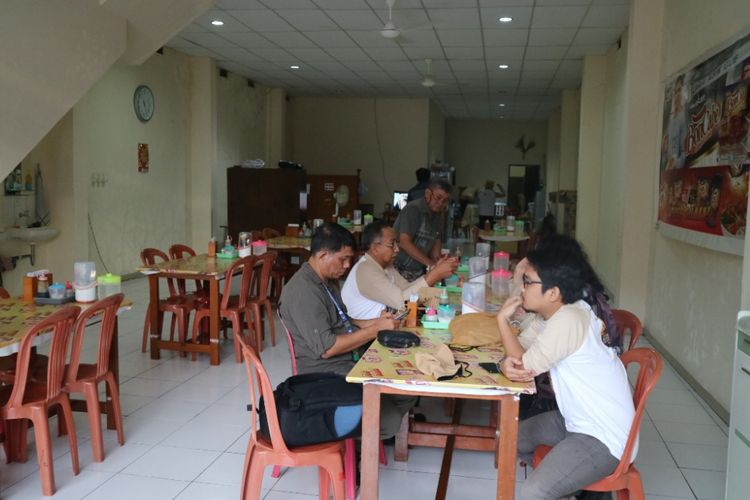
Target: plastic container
107	285
56	291
84	281
501	260
482	250
259	247
519	226
411	315
473	298
501	282
243	244
510	223
446	313
478	269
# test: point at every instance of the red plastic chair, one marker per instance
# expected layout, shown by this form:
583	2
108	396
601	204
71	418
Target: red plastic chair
262	451
350	459
85	378
282	269
180	251
626	480
179	305
260	301
232	307
28	399
626	320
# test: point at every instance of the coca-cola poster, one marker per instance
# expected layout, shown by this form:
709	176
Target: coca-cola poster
705	150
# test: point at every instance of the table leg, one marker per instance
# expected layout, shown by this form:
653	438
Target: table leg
115	367
153	291
214	321
370	441
507	445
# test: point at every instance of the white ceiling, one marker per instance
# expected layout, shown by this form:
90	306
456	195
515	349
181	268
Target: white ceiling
340	51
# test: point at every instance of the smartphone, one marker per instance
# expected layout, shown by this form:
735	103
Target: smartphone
401	315
490	367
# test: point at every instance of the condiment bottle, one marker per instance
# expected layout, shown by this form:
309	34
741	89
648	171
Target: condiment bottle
212	247
42	289
69	291
443	296
411	315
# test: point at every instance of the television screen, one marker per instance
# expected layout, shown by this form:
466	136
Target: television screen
399	199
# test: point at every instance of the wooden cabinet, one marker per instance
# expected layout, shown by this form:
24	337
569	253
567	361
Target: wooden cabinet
321	203
263	197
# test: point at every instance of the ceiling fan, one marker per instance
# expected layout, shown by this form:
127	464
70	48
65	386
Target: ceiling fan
389	29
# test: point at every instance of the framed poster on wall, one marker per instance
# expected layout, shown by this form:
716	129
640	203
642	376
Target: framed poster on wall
705	151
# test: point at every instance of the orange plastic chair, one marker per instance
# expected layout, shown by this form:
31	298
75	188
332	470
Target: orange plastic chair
260	301
282	269
28	399
626	480
626	320
179	305
262	451
232	307
350	460
85	378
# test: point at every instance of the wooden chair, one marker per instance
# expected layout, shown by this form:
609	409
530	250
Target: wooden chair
180	251
232	307
350	460
626	480
260	301
263	451
179	305
626	320
31	400
85	378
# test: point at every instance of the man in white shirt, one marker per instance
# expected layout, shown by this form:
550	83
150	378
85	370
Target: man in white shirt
589	431
374	284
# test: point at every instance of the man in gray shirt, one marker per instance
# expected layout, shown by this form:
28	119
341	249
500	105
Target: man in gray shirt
325	338
419	227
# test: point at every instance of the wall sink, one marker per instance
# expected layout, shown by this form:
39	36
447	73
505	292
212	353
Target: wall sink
33	234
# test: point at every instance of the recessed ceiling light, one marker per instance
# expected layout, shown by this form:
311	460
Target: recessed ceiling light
217	22
503	66
505	19
294	66
502	105
502	116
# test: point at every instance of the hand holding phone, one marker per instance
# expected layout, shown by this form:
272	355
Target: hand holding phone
401	315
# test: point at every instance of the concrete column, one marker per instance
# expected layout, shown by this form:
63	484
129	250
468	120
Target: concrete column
276	132
569	130
642	132
203	151
590	152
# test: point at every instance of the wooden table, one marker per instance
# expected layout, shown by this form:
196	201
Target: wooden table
393	371
200	267
502	237
287	243
17	316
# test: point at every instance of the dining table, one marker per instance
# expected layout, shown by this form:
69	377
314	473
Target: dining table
18	315
384	370
199	267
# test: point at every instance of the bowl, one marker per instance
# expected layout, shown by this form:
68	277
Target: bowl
56	291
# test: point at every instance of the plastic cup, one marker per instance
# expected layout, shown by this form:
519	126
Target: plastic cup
473	298
478	269
446	313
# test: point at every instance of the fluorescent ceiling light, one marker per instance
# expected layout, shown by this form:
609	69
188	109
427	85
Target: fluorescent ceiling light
505	19
503	66
502	105
217	22
294	66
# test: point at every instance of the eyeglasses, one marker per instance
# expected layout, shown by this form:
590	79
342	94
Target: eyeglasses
393	244
527	281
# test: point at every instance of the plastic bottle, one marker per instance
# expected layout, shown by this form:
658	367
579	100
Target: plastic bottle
42	286
443	296
212	247
411	315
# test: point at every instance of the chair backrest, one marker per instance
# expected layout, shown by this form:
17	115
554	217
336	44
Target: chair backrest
107	308
649	371
60	323
269	232
4	293
263	274
258	379
153	256
290	342
243	267
256	234
626	320
180	251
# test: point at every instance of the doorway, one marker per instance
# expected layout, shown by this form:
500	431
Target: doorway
523	183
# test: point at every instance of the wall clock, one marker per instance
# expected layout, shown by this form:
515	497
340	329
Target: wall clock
143	103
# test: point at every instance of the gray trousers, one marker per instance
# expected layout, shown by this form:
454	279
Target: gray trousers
576	460
392	410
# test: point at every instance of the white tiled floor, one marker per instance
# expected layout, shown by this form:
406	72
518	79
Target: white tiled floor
186	429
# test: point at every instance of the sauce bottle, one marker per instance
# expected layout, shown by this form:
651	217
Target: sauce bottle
411	315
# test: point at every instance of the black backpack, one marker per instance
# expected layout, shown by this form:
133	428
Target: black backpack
306	405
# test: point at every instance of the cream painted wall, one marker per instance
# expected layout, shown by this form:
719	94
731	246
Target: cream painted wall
590	158
552	170
386	138
241	116
436	135
609	232
694	292
482	150
570	117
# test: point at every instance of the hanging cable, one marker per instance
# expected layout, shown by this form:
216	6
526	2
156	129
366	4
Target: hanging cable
96	245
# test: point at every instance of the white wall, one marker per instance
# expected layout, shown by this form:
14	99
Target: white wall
436	135
386	138
481	150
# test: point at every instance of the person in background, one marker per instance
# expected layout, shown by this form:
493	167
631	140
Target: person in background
589	431
374	285
486	201
418	189
419	227
325	338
